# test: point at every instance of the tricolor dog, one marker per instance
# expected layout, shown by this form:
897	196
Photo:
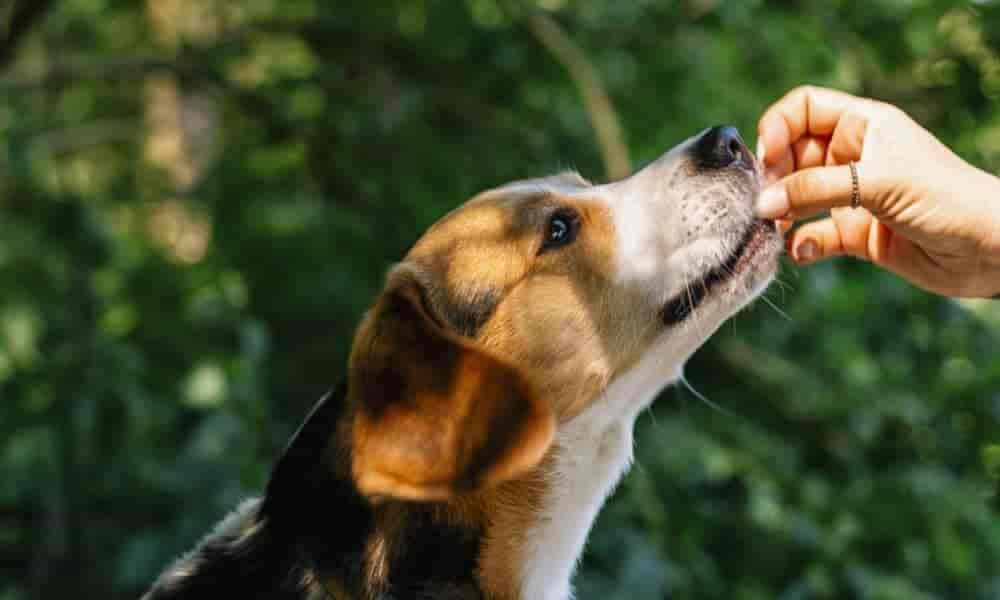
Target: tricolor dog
491	390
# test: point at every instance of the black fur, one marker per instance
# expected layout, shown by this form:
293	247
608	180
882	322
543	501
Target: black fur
310	533
470	311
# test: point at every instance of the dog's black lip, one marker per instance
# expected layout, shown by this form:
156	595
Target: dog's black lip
686	302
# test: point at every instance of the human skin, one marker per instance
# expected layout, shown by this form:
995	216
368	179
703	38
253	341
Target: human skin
925	214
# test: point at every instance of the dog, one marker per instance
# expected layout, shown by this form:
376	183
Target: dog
491	391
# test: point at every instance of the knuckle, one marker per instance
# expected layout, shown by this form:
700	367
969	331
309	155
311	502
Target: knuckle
798	188
803	95
799	92
890	109
889	112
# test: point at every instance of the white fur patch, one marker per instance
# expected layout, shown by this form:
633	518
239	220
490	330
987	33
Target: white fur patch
669	233
594	451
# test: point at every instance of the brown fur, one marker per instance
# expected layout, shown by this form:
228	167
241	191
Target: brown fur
564	301
427	475
434	415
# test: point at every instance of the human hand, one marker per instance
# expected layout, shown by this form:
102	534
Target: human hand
925	214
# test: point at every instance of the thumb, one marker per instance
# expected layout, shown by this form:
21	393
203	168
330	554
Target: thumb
810	192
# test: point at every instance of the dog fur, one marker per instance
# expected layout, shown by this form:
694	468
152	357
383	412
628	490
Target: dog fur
491	391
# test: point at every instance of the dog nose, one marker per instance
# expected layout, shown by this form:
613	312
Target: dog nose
721	147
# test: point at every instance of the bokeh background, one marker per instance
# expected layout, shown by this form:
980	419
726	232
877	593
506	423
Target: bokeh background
198	198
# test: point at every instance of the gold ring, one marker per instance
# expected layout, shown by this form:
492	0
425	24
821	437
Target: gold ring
855	187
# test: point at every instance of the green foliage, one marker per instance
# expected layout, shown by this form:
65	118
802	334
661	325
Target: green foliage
148	383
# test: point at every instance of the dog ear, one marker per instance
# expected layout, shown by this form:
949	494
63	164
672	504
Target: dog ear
434	415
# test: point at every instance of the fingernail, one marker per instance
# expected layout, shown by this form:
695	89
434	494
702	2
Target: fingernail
772	203
760	150
808	251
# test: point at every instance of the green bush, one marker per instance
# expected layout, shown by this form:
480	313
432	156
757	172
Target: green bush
162	334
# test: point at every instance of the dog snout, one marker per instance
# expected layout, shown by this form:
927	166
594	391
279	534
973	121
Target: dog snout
721	147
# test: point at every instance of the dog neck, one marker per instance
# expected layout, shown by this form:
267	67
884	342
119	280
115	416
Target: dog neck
313	536
591	454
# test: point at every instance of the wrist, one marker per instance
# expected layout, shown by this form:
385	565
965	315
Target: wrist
989	203
991	247
981	208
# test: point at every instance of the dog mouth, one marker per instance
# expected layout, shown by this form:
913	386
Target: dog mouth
685	303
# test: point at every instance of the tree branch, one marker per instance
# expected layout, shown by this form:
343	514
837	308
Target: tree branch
588	82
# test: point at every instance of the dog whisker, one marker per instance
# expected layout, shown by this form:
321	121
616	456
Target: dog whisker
785	315
705	399
784	285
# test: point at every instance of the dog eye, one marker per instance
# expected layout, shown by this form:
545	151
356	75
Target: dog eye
561	229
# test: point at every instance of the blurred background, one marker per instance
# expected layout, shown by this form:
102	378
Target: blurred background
198	198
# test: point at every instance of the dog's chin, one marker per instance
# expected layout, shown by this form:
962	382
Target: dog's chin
735	281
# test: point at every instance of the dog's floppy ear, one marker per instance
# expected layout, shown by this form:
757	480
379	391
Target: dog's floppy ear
434	415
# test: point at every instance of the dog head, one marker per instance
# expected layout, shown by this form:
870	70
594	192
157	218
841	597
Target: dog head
516	312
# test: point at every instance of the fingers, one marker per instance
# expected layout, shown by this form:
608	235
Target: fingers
811	127
858	234
847	232
815	241
810	152
783	167
809	192
805	111
847	140
806	152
